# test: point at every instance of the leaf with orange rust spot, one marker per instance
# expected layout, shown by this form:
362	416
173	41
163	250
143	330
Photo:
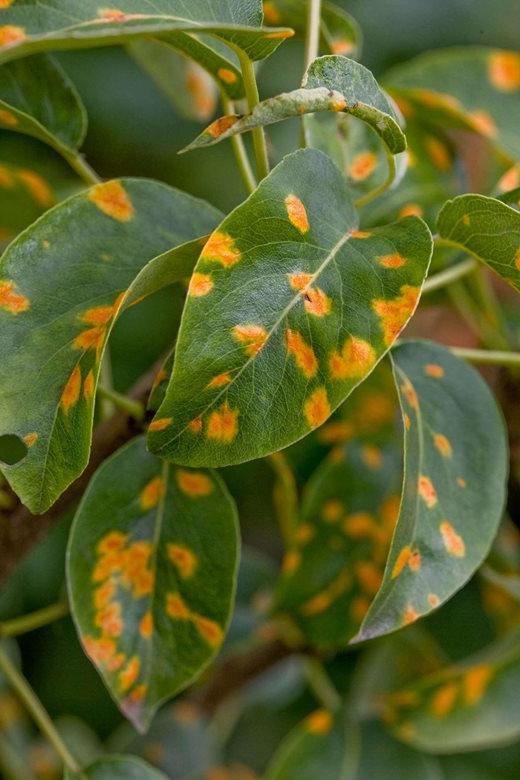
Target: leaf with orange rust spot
331	83
62	284
276	316
487	229
151	574
449	515
471	87
32	27
449	711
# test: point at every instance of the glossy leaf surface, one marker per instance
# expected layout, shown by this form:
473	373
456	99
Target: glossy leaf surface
268	333
117	768
55	315
332	83
69	24
488	229
470	87
37	98
152	562
449	514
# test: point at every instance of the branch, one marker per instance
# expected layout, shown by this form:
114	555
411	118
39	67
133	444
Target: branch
20	530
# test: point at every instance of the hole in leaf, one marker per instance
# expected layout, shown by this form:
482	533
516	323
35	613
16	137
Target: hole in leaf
12	449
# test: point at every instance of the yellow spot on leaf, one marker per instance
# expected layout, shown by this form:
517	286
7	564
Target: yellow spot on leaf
341	46
194	483
317	604
200	285
220	248
433	600
302	352
395	313
316	302
280	34
71	391
410	615
101	650
223	424
402	560
360	525
304	533
6	179
195	426
200	86
31	438
443	700
227	76
443	445
510	180
392	261
253	336
37	187
461	482
372	456
427	491
176	607
434	370
129	674
152	493
453	543
332	510
111	198
319	722
359	608
209	630
220	380
112	542
297	213
317	407
220	126
369	576
89	386
12	301
483	123
271	13
411	210
103	594
356	359
184	559
160	424
109	619
291	561
300	280
10	34
407	422
438	153
362	166
146	625
475	682
7	117
504	70
360	234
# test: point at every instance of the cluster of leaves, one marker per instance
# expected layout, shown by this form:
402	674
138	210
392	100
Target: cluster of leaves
292	302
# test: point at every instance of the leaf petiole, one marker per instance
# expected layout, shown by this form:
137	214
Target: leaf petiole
134	408
42	617
253	98
321	685
239	149
382	188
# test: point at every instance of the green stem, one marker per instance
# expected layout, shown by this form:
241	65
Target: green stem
253	98
491	308
312	39
78	164
37	710
41	617
321	685
375	193
449	275
239	150
134	408
492	357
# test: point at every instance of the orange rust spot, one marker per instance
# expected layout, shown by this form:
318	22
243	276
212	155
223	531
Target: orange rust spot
372	456
280	34
317	604
291	561
411	210
439	100
362	166
360	525
220	380
10	34
395	313
116	662
433	600
136	574
297	213
336	432
302	352
194	483
209	630
466	220
7	117
356	359
453	543
112	542
93	338
111	198
130	673
361	234
504	70
146	625
176	607
101	650
89	386
359	608
200	285
392	261
319	722
407	422
271	13
483	123
410	615
112	14
443	700
223	424
461	482
510	180
300	281
71	391
316	302
31	438
160	424
152	493
221	125
103	594
227	76
100	315
369	576
443	445
317	407
6	179
427	491
200	87
195	426
139	693
37	187
341	46
332	510
253	336
10	300
475	682
434	370
304	533
338	103
401	561
438	153
109	619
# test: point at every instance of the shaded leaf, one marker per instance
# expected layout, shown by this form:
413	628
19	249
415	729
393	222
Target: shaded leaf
473	87
487	229
33	27
56	314
381	756
152	562
117	768
466	707
438	543
331	83
267	308
38	99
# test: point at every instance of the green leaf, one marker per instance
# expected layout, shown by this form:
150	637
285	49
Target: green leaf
322	746
381	756
487	229
62	283
438	542
151	568
340	33
38	99
267	310
466	707
331	83
334	566
473	87
117	768
33	27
